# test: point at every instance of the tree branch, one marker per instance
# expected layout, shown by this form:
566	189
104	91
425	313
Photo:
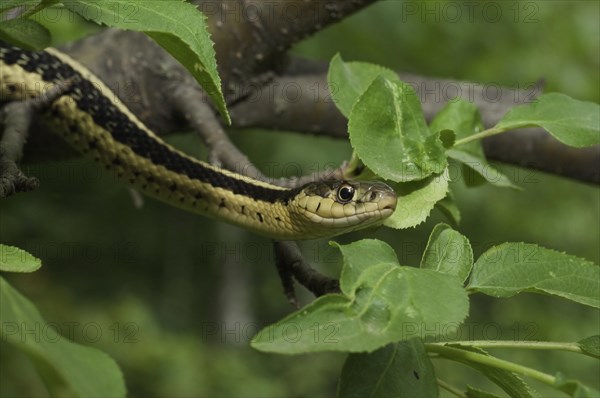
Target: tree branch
252	36
303	103
289	261
140	79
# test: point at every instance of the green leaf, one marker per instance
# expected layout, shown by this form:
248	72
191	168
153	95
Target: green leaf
176	26
25	33
364	255
388	132
416	199
511	268
591	346
510	382
349	80
471	178
482	168
572	122
574	388
13	259
448	252
397	370
449	208
68	369
381	303
477	393
464	119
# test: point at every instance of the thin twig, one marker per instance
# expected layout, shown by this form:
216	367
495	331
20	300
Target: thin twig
530	345
315	282
460	355
450	388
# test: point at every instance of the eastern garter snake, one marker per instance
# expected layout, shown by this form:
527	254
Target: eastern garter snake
90	118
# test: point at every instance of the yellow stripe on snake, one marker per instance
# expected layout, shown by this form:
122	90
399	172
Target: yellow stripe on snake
91	118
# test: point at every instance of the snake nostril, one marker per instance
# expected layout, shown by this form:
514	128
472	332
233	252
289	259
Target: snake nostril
372	196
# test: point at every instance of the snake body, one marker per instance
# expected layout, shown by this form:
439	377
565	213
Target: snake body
91	118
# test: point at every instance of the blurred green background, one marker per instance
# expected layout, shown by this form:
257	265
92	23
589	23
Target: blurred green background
176	297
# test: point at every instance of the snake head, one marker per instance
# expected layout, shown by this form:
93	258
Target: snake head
344	206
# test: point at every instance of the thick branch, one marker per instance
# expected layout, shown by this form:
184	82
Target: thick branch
536	149
267	29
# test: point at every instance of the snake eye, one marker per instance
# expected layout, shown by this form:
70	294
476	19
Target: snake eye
345	193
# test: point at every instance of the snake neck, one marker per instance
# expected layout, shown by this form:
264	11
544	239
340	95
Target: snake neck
92	120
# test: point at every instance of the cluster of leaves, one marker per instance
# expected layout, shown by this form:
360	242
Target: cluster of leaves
385	310
380	317
390	136
383	306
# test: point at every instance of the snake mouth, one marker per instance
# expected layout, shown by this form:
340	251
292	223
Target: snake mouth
355	221
386	212
387	202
